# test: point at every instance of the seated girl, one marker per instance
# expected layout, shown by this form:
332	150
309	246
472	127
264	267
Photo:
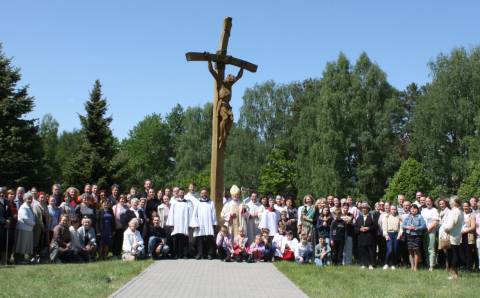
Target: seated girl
241	247
257	249
267	243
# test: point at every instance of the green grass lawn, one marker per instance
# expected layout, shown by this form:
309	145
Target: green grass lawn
98	279
351	281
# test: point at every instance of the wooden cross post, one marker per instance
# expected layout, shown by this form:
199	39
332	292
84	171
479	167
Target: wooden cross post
222	118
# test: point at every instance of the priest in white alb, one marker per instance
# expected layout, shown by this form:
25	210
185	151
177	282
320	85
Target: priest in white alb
202	222
252	211
179	217
191	196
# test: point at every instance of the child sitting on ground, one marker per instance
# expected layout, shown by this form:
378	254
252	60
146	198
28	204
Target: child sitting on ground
304	251
322	253
257	249
267	243
289	247
278	241
224	244
240	247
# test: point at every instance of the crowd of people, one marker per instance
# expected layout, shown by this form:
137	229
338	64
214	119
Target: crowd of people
171	223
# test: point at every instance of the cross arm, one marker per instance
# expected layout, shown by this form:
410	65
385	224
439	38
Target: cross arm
202	56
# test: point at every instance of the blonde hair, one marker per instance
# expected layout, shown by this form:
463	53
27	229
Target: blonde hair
75	195
305	198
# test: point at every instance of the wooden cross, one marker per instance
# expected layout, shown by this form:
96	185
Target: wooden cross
222	118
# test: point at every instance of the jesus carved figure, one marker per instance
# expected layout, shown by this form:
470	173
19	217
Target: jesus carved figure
224	109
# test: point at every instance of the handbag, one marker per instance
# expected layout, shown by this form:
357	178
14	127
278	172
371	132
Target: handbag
444	241
471	238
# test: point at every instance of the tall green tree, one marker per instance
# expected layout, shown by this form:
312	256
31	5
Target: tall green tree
147	152
267	110
375	112
322	131
93	163
20	144
277	175
471	186
175	121
68	147
444	123
244	157
348	130
49	135
410	178
193	147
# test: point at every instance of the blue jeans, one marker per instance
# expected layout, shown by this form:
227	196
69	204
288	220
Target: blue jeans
153	242
307	255
392	249
321	262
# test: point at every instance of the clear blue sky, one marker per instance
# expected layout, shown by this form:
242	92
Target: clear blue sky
136	48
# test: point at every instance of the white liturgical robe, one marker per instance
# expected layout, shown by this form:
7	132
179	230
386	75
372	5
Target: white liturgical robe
179	216
203	218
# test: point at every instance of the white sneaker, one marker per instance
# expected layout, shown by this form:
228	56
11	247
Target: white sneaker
385	267
392	267
370	267
362	267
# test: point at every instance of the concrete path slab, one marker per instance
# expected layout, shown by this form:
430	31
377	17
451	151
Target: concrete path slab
203	278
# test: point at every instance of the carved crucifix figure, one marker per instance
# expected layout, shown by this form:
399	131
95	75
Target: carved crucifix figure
222	118
224	109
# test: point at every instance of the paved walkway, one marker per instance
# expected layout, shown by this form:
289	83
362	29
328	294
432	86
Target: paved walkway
203	278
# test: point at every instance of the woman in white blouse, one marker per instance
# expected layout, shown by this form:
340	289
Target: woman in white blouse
453	228
132	241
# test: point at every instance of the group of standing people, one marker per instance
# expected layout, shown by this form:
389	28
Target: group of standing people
171	223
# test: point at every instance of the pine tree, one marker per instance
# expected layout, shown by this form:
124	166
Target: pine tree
93	163
20	145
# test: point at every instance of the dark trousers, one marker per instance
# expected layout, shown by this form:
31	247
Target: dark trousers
223	254
205	246
180	245
382	245
337	251
355	248
453	256
367	255
466	253
117	242
442	259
